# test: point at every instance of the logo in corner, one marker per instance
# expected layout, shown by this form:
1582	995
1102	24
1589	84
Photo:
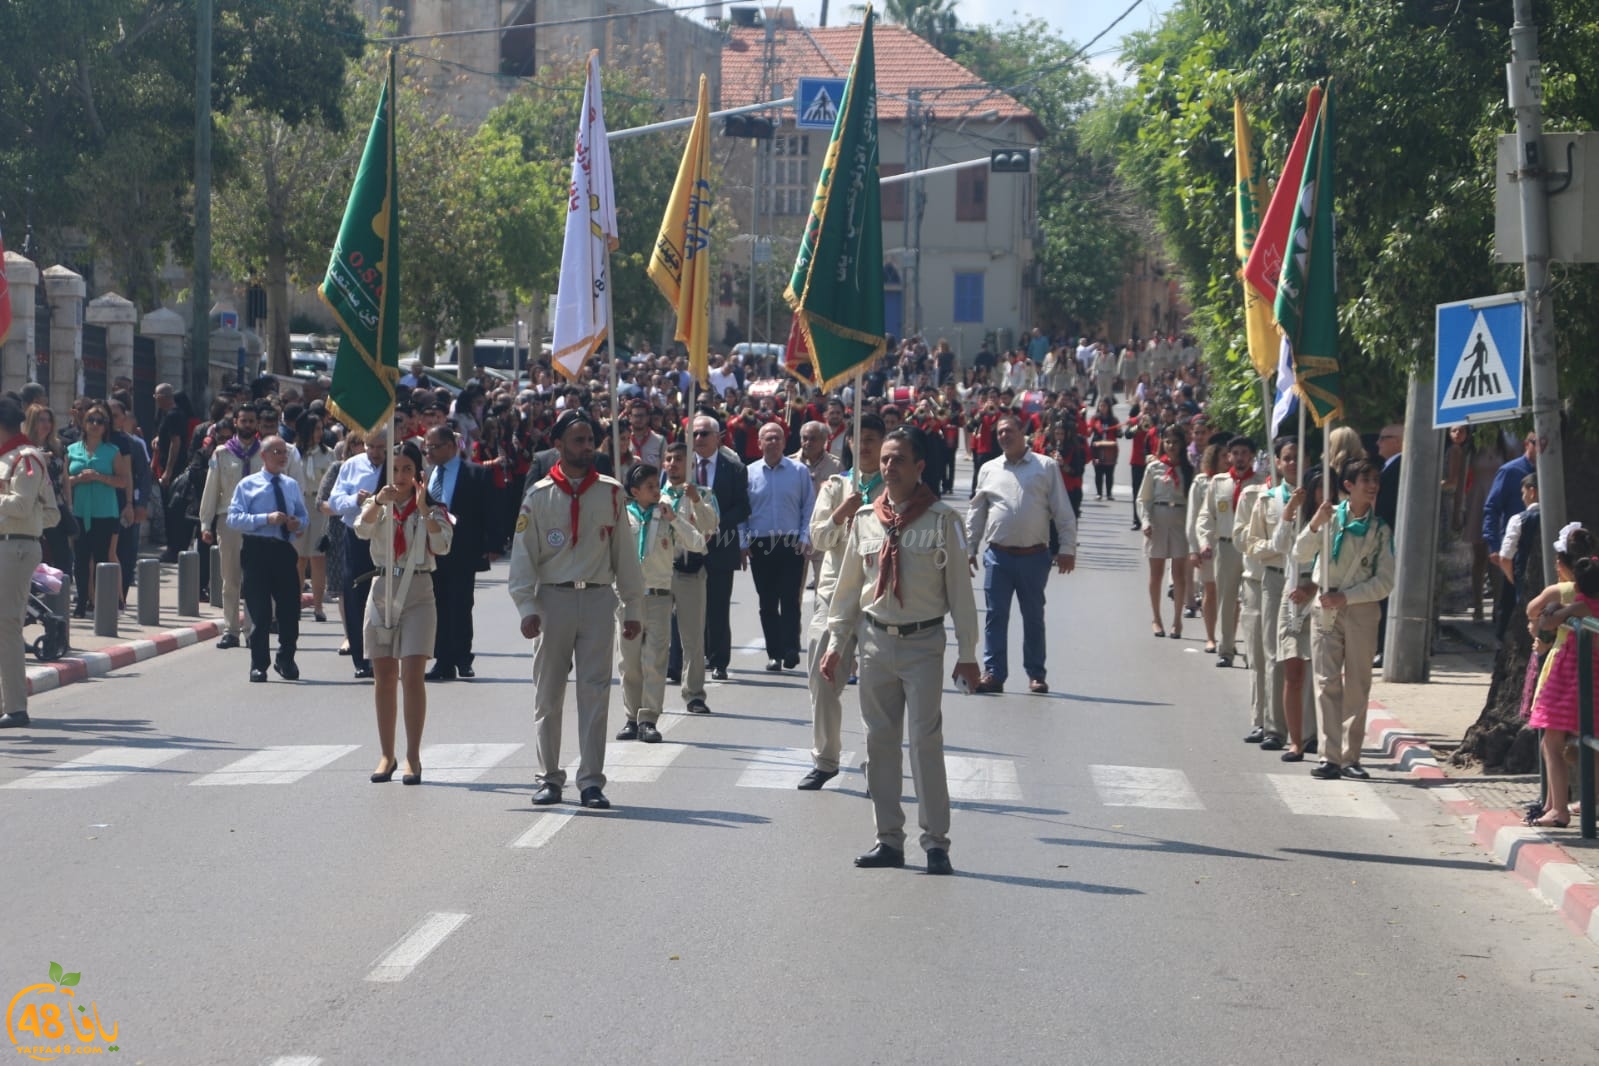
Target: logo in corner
45	1021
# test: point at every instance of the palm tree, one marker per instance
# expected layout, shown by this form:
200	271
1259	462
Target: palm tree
931	20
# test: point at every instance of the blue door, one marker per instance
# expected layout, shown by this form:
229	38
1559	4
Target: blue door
894	312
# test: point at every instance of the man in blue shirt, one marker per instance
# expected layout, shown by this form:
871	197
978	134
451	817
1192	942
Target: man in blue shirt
268	508
775	538
1504	500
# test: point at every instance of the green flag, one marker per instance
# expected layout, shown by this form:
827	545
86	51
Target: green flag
837	288
1307	303
362	287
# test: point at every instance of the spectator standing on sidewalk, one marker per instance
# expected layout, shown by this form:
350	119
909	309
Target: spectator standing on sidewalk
96	469
1008	521
1504	500
27	508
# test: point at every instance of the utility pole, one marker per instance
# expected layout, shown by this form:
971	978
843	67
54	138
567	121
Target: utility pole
200	301
1525	78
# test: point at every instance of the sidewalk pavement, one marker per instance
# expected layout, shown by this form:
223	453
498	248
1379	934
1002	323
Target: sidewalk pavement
1405	723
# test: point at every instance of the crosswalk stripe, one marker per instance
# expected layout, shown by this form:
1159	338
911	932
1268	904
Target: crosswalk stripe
1145	786
539	833
1303	794
296	1060
781	767
398	962
98	767
978	780
629	762
457	763
279	765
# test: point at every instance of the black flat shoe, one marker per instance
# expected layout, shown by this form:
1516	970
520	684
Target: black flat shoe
363	673
439	673
881	857
320	616
1271	742
412	776
1356	771
698	706
719	674
814	780
229	640
547	795
773	666
629	731
648	733
1292	756
938	862
1256	735
381	776
593	798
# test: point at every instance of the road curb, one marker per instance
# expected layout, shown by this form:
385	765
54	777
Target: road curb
47	677
1535	858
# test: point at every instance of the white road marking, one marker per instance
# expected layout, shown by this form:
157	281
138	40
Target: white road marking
781	767
398	962
1145	786
283	764
539	833
296	1060
979	780
456	763
1303	794
99	767
631	763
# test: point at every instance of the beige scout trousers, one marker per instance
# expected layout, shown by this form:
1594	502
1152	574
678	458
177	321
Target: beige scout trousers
1229	582
577	624
17	561
1262	602
1342	644
827	700
899	674
232	544
688	597
643	665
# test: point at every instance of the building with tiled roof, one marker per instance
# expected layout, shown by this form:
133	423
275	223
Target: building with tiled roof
973	237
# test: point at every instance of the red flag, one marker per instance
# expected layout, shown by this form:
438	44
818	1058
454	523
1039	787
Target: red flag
797	357
1265	263
5	295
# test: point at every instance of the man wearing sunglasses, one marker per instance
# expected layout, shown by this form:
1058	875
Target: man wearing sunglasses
713	469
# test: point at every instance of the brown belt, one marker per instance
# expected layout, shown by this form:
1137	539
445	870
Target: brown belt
1031	549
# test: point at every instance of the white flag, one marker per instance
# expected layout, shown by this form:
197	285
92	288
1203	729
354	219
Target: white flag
582	322
1287	395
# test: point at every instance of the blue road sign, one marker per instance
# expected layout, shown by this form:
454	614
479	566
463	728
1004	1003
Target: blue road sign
816	102
1480	358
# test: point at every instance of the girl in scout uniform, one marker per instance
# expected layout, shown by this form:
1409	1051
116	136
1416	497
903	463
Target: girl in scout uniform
1292	630
660	530
1163	508
1352	578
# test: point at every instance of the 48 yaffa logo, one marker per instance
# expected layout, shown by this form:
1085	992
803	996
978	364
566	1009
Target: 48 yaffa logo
45	1021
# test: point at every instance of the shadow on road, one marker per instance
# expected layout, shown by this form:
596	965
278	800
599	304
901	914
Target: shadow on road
1156	846
1484	863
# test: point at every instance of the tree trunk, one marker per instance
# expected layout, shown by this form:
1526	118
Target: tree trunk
427	348
277	287
466	348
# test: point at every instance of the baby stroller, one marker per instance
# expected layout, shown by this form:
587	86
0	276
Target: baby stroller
53	642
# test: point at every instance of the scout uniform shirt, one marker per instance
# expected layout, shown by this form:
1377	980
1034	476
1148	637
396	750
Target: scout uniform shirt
1216	518
603	552
1258	539
705	515
830	539
1248	503
25	490
933	578
1363	569
658	541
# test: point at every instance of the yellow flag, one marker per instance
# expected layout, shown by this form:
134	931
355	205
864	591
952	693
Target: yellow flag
1258	321
681	264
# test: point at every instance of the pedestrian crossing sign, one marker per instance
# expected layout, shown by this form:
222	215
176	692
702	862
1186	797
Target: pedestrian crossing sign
1481	353
816	102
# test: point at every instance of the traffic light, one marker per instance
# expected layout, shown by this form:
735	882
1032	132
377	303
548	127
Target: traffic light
1010	161
748	126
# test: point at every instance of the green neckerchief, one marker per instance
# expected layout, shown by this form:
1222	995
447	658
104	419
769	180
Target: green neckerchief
1344	524
642	516
869	487
1282	493
673	492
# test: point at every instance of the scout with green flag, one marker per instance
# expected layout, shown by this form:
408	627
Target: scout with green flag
837	288
362	287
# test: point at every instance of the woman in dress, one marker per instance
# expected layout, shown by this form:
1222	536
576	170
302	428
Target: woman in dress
40	426
1163	504
400	618
1555	703
96	469
315	459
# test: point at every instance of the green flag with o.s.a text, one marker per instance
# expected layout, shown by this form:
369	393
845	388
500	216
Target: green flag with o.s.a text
362	287
837	287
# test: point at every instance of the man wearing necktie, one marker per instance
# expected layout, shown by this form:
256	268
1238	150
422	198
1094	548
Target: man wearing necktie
728	482
467	491
269	512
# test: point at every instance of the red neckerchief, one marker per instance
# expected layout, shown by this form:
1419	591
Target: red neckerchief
19	441
834	434
893	523
1171	469
558	476
1239	481
400	516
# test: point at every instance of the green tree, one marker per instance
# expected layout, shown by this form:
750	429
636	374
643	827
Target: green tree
934	21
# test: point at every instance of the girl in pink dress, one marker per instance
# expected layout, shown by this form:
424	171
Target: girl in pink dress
1554	709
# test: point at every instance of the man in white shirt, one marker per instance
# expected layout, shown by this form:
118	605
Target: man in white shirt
1015	501
721	376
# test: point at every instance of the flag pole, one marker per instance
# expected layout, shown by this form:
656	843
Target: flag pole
610	350
1271	428
855	431
384	476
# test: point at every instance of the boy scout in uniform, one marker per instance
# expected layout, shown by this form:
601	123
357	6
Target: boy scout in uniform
688	574
1260	511
660	530
840	497
573	543
902	572
1216	526
27	508
1356	574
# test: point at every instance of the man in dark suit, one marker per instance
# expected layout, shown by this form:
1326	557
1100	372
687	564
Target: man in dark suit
712	468
1390	446
467	490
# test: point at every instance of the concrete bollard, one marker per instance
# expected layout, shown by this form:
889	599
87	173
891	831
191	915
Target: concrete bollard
107	598
189	583
149	592
216	576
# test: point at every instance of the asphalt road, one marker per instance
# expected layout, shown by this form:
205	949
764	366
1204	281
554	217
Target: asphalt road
1135	884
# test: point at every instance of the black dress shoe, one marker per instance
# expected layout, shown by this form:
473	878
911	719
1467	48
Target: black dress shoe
1293	756
440	673
773	666
629	731
648	733
1356	771
465	672
814	780
286	668
594	798
14	720
938	861
363	673
698	706
881	857
257	674
719	674
790	662
1224	661
1327	771
1272	742
1255	736
229	640
546	795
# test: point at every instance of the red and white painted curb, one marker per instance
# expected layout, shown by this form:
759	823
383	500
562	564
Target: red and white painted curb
1532	855
64	671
